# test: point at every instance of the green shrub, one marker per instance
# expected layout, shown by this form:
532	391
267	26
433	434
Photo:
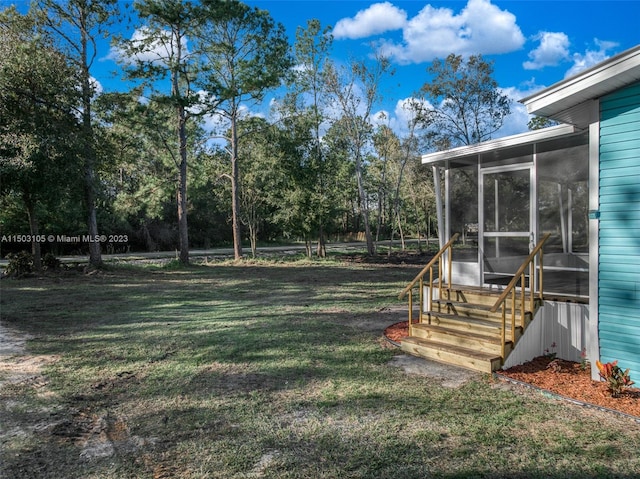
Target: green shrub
49	261
19	263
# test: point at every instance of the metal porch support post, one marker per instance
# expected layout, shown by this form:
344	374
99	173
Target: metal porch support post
439	210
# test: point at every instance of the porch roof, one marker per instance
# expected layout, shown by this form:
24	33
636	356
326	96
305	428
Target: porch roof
500	145
568	101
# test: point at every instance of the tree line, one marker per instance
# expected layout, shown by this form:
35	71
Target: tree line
177	161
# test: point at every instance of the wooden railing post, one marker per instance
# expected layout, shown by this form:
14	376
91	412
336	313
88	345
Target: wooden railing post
503	333
519	277
541	272
449	267
522	299
421	296
440	279
513	315
410	312
420	281
430	293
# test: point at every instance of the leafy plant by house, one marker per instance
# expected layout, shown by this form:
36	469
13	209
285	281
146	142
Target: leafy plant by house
583	359
549	352
616	379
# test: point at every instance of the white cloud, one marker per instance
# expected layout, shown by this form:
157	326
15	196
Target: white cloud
150	46
380	118
480	27
553	48
96	85
378	18
516	122
590	57
403	113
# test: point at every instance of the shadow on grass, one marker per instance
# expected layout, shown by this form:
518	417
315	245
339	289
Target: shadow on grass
217	366
283	324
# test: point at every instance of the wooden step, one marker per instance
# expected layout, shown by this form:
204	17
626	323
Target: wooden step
483	326
446	353
476	295
460	329
476	311
470	294
464	339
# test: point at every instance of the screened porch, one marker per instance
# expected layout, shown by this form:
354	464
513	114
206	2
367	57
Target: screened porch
502	196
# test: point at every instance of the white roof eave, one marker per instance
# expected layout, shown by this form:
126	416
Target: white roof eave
604	78
500	143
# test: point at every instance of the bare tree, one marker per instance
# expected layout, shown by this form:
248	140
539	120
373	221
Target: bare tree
356	90
468	106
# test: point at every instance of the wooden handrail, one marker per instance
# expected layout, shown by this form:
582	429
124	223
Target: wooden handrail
519	276
516	277
428	266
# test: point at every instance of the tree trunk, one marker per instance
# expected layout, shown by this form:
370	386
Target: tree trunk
34	230
363	207
401	232
307	247
181	125
382	199
183	230
235	192
379	221
253	237
182	189
322	244
95	255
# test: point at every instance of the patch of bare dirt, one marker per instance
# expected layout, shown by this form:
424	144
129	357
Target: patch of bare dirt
15	366
96	435
566	378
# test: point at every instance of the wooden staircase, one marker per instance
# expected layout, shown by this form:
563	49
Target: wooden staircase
470	326
462	330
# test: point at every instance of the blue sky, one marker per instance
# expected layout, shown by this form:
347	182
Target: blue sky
533	43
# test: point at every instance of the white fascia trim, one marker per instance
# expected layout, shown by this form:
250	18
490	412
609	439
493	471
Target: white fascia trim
500	143
579	85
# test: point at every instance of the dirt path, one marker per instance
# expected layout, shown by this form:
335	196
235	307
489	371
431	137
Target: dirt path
96	435
15	364
19	371
11	342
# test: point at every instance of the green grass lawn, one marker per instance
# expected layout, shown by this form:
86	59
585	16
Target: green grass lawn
264	369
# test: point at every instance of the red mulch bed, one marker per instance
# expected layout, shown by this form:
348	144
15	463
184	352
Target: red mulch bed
397	331
568	379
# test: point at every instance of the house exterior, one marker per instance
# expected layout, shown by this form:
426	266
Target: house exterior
580	183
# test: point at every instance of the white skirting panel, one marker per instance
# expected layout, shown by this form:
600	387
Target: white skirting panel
559	328
465	273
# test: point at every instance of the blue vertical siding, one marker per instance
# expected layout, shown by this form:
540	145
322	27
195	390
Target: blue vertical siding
619	232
